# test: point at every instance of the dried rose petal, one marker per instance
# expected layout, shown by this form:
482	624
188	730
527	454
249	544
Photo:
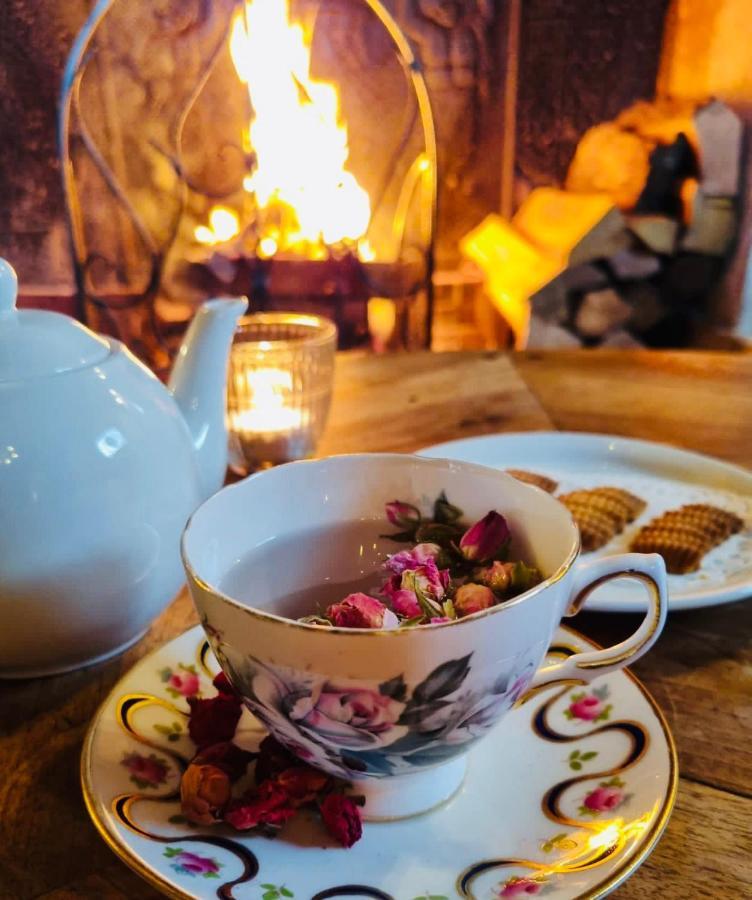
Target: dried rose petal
412	559
302	784
342	819
269	805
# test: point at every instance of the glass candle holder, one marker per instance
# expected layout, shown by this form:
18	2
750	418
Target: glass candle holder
279	388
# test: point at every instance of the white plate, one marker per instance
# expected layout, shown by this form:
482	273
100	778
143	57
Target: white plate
535	815
663	476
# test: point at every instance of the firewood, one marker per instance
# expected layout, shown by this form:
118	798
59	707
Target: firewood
713	228
629	265
576	227
719	132
601	312
658	233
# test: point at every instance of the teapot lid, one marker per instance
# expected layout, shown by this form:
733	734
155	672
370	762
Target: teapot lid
35	342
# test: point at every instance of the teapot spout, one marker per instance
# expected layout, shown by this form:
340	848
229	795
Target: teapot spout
197	383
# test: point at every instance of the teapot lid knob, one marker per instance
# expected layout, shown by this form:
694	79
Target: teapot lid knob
8	287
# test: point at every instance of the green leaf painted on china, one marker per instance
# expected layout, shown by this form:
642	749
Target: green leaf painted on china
591	754
444	680
394	688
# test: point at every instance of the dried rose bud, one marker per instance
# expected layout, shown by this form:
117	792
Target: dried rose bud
222	684
403	515
497	576
204	792
472	598
361	611
342	819
484	539
404	601
214	720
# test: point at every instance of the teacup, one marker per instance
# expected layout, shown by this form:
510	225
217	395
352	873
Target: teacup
392	711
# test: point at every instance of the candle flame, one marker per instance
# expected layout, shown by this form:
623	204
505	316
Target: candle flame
269	411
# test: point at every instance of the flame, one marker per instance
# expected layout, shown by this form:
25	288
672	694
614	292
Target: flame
223	226
306	199
268	412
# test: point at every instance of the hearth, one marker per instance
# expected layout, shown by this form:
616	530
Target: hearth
281	166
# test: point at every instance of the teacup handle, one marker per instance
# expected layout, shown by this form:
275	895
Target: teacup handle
650	569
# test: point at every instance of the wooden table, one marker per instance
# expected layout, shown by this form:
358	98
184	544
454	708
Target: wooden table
700	672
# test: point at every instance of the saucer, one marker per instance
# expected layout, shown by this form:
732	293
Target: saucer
564	798
665	477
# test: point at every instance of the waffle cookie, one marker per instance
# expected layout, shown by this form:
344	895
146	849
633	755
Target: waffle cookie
601	513
683	536
541	481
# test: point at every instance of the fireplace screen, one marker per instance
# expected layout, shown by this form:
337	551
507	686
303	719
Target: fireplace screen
282	149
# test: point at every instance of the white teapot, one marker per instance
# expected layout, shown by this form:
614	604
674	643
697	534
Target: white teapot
100	467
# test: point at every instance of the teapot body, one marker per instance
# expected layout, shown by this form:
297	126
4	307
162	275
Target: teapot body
98	476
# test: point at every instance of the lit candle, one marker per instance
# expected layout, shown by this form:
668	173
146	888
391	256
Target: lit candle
269	412
279	386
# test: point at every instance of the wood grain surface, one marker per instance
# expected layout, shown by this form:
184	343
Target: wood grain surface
700	671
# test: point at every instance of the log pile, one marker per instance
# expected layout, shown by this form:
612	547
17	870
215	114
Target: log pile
626	252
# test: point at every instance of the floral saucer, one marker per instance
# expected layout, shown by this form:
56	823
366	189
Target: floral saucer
565	799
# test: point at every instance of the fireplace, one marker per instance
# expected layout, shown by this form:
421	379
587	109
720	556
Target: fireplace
278	164
159	164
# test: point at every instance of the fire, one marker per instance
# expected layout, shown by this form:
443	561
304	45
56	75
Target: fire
305	198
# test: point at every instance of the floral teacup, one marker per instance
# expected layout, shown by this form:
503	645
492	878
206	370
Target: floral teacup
394	711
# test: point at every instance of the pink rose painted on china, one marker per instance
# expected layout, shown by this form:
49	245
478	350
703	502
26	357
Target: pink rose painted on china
182	681
589	707
346	715
520	887
146	771
186	863
609	795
